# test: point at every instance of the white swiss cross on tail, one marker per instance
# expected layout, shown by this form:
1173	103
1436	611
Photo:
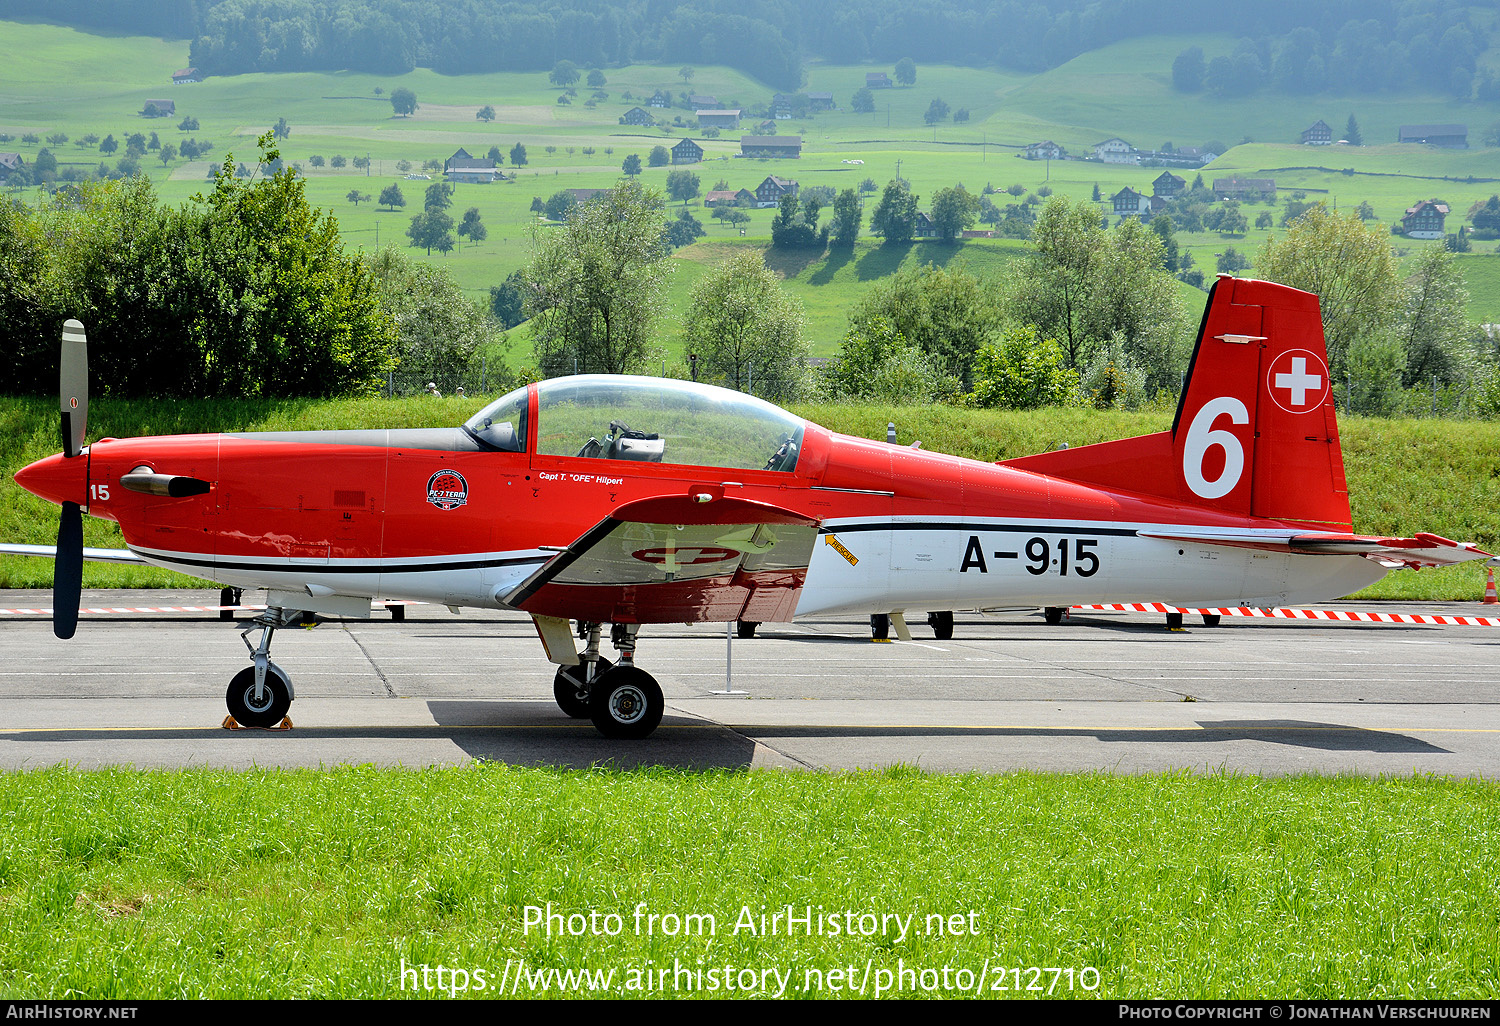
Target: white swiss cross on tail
1298	381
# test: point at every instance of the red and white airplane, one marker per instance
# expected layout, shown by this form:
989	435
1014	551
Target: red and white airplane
625	501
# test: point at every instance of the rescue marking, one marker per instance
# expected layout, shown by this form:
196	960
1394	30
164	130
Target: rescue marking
838	547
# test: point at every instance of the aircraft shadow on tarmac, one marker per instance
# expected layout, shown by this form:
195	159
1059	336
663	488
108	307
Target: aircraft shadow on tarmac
1331	737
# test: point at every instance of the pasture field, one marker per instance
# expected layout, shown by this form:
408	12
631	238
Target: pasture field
328	884
65	80
1441	476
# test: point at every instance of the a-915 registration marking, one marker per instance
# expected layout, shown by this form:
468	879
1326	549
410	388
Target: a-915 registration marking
1042	555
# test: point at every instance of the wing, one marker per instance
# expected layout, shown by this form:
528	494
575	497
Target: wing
91	555
1423	550
677	559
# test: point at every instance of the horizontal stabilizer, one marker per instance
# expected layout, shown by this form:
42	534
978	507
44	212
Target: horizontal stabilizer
1423	550
91	555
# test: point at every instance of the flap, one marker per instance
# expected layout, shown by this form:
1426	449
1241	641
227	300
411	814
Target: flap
691	558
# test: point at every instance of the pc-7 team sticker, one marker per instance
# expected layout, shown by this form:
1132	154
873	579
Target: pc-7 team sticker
447	489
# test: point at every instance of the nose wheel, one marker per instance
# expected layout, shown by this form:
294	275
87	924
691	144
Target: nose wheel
265	706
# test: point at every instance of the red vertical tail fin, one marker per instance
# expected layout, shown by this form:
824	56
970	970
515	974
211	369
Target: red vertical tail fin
1255	433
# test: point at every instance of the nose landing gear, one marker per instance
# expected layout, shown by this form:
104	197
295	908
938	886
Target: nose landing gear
260	694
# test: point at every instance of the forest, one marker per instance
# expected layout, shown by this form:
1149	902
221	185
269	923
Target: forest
1378	45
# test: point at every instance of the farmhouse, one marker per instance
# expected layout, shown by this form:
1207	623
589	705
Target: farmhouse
463	167
781	107
1318	134
1168	185
789	147
582	196
1116	151
719	118
186	76
660	99
1129	203
877	80
922	227
1455	137
701	102
687	152
1047	150
769	192
1425	220
10	163
159	108
719	197
1242	188
636	116
820	101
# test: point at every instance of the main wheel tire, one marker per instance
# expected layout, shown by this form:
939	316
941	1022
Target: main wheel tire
1174	621
228	597
571	698
626	703
1054	614
942	624
1211	619
880	626
398	613
745	628
273	704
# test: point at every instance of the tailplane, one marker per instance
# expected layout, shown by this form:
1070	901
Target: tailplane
1255	432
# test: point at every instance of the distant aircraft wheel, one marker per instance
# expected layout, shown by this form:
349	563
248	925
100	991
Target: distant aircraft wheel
626	703
942	625
571	689
1054	614
398	613
228	597
268	710
745	628
880	626
1174	621
1211	619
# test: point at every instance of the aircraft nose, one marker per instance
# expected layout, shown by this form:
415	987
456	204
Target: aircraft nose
57	479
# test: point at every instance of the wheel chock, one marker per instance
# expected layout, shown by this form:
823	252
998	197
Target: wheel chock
230	723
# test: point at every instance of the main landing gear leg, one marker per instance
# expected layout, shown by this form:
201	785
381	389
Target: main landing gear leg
625	701
260	694
572	684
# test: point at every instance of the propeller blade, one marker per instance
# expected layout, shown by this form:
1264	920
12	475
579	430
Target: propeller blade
67	571
74	387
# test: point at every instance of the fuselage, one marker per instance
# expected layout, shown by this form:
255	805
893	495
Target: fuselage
439	516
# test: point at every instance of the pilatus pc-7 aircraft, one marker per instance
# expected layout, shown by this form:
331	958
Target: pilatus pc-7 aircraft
617	502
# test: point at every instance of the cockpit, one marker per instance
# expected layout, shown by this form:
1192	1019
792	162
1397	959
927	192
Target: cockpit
644	420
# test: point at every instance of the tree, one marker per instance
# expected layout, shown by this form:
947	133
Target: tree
1022	371
947	313
188	124
686	74
937	111
659	157
1230	261
471	227
1187	70
953	210
796	226
1364	212
403	102
45	165
877	363
1351	133
518	155
316	160
906	71
432	229
1430	326
1352	271
281	130
438	328
439	196
559	204
356	197
108	144
153	144
593	289
564	74
167	153
632	164
597	79
338	160
848	211
741	323
863	102
682	230
391	197
485	113
895	216
682	185
508	299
